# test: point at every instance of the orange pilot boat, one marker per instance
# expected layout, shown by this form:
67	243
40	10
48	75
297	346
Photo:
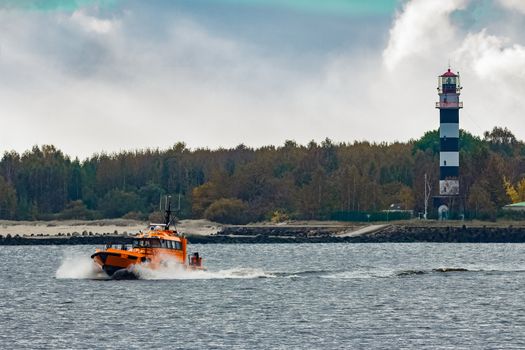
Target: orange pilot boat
154	247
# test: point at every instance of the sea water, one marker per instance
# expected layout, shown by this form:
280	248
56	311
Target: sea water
270	296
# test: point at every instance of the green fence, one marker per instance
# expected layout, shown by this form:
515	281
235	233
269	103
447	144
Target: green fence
364	216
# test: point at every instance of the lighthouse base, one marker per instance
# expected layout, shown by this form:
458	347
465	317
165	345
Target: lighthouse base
447	207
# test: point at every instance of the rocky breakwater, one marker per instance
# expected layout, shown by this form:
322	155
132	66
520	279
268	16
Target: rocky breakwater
74	238
393	233
447	234
275	234
338	233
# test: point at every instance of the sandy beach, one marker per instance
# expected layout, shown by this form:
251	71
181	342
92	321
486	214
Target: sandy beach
111	226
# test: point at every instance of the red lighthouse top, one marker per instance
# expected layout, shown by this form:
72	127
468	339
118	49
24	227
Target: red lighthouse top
449	89
448	73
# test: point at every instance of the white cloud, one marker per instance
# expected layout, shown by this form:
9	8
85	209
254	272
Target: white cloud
88	93
492	57
92	23
514	4
424	37
495	68
88	85
422	27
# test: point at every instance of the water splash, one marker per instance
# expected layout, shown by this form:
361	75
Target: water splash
79	267
75	266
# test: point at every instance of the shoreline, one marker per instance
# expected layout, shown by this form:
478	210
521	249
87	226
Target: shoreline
205	232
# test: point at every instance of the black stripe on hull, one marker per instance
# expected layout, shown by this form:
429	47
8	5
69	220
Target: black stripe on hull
449	144
110	270
448	172
124	274
449	116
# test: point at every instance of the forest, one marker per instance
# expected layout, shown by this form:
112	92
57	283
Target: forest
319	181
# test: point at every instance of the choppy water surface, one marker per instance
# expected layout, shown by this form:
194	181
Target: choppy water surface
271	296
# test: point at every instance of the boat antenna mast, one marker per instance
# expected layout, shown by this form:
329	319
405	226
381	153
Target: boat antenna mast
167	213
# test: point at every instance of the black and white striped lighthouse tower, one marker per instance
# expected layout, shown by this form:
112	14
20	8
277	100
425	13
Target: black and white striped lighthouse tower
449	90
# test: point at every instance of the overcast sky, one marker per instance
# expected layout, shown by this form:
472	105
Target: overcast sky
91	76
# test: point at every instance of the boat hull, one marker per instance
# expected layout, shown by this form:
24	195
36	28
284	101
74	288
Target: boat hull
124	274
112	262
118	264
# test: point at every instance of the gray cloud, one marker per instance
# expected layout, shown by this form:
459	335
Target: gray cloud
93	80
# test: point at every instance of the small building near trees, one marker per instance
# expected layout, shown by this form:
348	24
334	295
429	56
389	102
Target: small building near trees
515	207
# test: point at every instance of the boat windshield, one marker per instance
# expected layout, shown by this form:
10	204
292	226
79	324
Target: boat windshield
171	244
146	243
156	243
117	246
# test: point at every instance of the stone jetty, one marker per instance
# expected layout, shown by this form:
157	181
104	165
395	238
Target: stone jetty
336	233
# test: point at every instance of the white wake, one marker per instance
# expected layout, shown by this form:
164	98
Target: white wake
82	267
174	271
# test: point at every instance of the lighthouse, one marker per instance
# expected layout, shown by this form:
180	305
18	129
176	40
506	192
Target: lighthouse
449	90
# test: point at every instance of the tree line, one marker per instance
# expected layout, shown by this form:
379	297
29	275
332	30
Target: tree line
243	184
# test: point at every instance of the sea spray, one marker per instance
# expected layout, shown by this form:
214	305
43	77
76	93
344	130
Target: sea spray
79	267
170	269
182	273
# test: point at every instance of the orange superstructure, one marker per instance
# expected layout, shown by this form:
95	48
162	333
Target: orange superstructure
153	247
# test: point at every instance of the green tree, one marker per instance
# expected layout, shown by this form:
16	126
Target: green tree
202	197
77	210
8	200
429	141
227	211
116	203
479	202
501	140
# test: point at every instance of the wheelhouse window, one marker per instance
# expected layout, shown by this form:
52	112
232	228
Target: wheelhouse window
146	243
174	245
138	243
157	243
